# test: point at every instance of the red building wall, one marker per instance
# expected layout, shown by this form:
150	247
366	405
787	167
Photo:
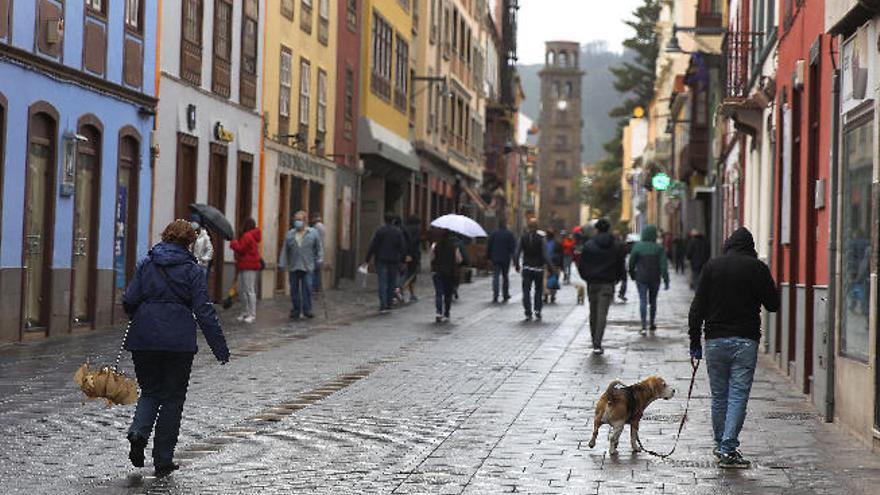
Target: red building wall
804	55
348	59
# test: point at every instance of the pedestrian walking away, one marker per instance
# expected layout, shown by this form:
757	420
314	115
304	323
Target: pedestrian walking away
388	248
413	231
679	251
648	264
567	254
601	265
318	227
532	249
300	254
554	254
501	249
698	254
727	309
168	289
445	260
202	249
248	263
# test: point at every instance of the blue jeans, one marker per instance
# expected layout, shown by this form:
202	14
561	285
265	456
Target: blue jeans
300	292
316	277
163	377
501	270
529	278
443	286
387	273
647	295
731	363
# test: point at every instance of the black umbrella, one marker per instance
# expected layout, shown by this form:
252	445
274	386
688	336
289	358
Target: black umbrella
214	219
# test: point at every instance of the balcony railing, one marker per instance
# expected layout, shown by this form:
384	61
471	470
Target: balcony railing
709	14
744	53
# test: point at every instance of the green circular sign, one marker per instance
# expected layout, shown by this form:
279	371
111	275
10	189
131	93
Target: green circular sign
660	182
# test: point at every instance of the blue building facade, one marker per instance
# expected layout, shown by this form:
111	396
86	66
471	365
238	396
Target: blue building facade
77	107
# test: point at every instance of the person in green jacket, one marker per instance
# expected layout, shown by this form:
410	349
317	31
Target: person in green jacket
647	265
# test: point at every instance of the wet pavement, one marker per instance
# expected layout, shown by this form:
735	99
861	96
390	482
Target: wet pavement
354	402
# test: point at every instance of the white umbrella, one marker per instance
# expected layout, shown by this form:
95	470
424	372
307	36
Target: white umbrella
460	224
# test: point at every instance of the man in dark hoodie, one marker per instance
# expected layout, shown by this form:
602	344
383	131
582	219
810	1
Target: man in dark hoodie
601	265
502	245
727	307
647	265
388	247
533	249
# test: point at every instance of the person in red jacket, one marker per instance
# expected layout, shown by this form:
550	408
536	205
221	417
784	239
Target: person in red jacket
248	264
567	254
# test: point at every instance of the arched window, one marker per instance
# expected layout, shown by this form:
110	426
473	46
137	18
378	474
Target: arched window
556	90
568	89
551	57
563	59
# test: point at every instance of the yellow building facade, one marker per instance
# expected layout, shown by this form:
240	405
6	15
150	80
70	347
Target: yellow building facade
384	132
298	127
450	94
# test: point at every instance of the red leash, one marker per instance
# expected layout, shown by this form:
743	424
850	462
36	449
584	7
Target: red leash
695	365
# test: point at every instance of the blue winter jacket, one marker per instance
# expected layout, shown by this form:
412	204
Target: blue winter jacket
502	246
165	309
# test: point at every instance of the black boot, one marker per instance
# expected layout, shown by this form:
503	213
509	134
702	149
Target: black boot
137	444
163	471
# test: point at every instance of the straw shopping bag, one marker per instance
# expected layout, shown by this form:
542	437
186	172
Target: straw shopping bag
108	383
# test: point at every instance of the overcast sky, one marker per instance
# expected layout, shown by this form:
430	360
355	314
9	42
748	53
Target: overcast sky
571	20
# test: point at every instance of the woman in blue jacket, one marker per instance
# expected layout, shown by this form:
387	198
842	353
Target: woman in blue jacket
168	290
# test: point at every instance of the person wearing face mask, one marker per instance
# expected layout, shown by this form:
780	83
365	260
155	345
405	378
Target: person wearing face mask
202	249
300	254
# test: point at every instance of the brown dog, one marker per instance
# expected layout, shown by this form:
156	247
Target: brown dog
621	404
581	288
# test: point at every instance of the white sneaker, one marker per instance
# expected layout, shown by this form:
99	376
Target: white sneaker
249	319
241	317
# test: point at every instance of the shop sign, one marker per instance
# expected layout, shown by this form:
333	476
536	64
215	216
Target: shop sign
222	134
302	165
857	68
660	182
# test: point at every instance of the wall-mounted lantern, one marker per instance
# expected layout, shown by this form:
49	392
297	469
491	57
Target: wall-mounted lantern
68	171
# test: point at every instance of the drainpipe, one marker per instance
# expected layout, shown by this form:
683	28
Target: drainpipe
834	197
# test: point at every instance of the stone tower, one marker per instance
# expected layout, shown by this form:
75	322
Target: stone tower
559	143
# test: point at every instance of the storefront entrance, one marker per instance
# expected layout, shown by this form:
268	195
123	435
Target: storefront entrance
39	208
217	198
125	236
85	225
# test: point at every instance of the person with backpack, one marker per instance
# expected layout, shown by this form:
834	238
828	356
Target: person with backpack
647	265
532	249
727	310
601	265
166	299
248	263
445	260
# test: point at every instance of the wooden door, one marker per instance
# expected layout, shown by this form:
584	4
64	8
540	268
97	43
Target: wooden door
185	185
217	198
86	209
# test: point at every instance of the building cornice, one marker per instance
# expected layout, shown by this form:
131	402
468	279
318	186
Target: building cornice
68	74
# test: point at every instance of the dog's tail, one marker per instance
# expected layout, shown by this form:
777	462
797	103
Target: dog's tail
609	392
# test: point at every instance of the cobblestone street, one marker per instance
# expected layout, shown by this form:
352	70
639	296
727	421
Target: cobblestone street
364	403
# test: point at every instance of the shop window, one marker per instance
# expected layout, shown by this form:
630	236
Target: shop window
858	145
191	42
221	64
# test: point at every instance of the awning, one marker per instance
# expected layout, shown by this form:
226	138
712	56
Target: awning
375	139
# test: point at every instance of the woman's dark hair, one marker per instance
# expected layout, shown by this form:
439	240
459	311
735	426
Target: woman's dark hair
249	224
179	232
